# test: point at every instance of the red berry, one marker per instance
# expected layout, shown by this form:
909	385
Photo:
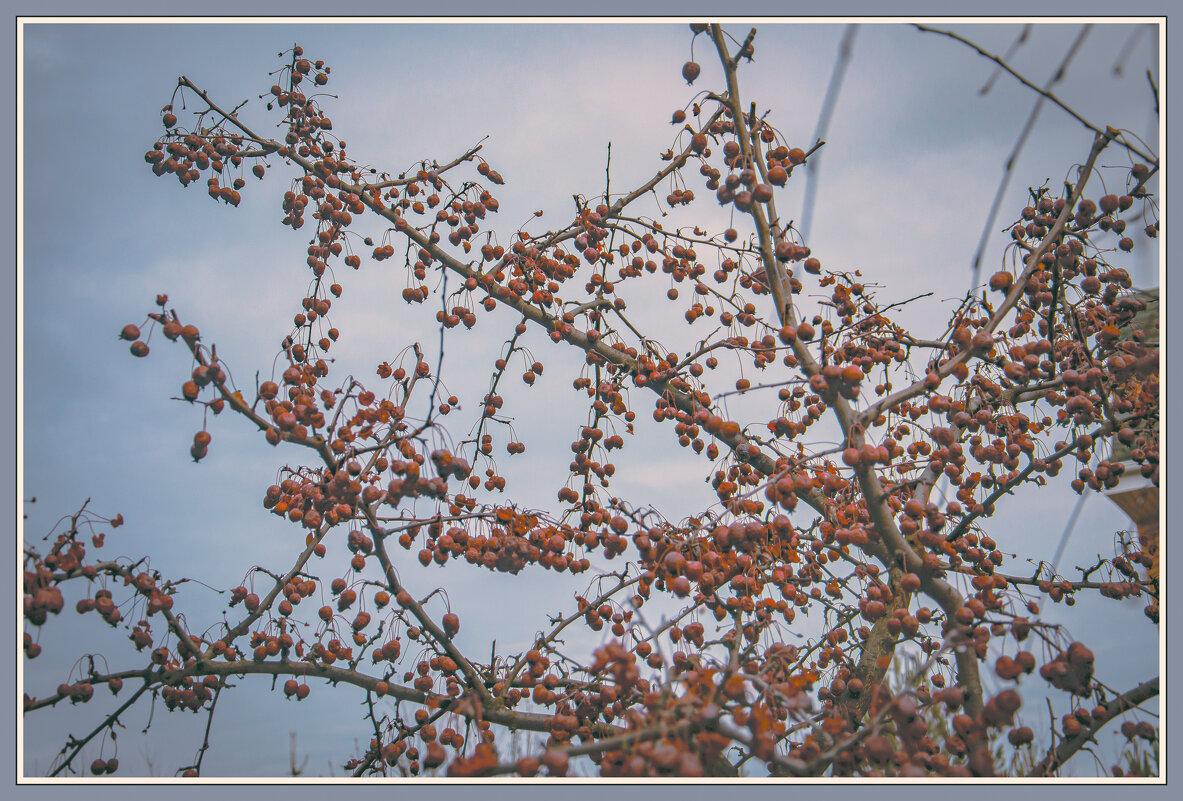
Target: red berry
1001	281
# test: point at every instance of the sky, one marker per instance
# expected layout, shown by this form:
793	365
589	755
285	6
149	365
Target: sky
912	159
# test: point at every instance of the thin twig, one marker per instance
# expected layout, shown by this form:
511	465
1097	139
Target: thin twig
1058	755
209	722
1126	49
1075	115
1008	169
1010	52
845	48
107	723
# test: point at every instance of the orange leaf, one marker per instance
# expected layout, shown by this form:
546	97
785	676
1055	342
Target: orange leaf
833	725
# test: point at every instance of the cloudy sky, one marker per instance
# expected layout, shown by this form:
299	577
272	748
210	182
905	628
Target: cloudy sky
913	158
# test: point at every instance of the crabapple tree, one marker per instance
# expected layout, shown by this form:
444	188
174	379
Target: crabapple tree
1033	379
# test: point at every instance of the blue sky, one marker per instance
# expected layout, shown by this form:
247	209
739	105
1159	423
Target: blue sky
913	157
